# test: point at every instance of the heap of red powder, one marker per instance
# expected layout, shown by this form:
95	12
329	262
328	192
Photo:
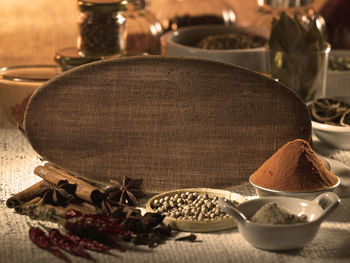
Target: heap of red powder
294	167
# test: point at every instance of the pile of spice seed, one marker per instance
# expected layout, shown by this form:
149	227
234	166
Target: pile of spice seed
190	206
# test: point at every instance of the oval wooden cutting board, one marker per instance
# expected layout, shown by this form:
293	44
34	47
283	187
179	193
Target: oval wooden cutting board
175	122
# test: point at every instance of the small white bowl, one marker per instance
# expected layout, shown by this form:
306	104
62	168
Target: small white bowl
265	192
281	237
17	83
336	136
178	43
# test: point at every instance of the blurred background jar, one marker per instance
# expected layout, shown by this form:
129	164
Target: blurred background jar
101	27
143	28
174	14
303	10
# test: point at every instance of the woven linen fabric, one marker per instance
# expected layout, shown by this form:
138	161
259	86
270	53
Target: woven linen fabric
18	160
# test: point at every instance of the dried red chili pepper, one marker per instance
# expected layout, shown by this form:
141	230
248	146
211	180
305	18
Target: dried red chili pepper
39	238
88	243
66	244
94	225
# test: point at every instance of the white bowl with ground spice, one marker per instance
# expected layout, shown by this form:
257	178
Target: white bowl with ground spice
294	170
280	223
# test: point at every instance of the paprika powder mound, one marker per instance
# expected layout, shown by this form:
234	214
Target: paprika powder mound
295	168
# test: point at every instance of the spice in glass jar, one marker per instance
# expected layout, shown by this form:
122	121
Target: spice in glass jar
101	27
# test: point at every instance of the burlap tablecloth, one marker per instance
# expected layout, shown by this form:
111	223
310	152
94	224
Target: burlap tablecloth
18	160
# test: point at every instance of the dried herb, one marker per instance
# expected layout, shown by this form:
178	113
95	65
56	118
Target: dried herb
339	63
189	238
235	40
126	192
59	194
297	55
38	237
330	111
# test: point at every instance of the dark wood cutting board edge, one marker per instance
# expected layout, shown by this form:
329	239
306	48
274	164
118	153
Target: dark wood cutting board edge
175	122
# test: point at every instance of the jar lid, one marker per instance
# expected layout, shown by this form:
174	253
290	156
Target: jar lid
69	57
285	3
29	73
103	6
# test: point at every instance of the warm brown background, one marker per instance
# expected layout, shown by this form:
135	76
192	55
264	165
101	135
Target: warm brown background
32	31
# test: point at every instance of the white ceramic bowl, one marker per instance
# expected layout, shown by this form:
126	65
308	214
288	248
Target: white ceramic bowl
17	83
336	136
338	82
282	237
265	192
178	43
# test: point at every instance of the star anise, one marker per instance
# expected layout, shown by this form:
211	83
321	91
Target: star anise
59	194
127	192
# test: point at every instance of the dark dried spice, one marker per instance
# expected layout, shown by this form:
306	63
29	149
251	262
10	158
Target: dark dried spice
189	238
127	192
152	239
59	194
234	40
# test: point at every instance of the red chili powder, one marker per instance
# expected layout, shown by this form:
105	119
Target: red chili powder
294	167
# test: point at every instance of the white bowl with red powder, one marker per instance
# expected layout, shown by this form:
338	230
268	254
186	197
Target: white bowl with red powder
308	195
294	170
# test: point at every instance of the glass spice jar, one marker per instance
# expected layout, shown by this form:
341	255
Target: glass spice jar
303	10
69	57
174	14
143	29
101	25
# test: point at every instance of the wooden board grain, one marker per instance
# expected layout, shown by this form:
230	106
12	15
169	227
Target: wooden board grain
175	122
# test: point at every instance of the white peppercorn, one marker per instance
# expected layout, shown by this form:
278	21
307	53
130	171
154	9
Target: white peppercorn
189	206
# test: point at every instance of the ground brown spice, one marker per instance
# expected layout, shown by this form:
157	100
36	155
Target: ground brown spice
294	167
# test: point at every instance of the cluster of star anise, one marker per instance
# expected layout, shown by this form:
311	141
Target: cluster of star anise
58	194
128	192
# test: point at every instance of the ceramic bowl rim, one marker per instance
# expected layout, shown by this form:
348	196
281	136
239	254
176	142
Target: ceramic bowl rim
168	37
296	193
330	128
318	126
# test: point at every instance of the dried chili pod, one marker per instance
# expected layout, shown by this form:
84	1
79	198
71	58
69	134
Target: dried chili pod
66	244
88	243
39	238
95	226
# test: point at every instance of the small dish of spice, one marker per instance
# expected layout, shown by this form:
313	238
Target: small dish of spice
294	170
331	120
280	223
230	44
194	209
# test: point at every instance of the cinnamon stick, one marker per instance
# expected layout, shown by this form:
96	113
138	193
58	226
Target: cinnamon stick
26	195
84	190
